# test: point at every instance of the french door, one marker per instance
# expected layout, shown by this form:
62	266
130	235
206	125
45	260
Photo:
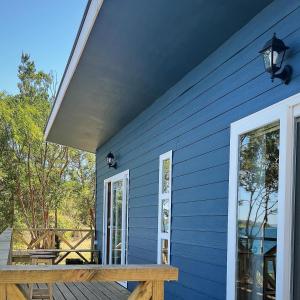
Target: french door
115	223
263	250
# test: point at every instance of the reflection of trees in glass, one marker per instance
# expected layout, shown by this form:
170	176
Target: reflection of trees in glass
257	208
164	251
165	215
166	176
258	180
117	221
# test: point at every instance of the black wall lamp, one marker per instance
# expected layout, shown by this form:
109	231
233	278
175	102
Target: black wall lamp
110	159
273	54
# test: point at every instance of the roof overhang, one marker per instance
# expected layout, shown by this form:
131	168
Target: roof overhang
128	53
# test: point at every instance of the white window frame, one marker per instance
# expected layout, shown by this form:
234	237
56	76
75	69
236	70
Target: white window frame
161	196
120	176
285	112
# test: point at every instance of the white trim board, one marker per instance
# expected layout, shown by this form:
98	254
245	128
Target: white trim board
88	24
285	112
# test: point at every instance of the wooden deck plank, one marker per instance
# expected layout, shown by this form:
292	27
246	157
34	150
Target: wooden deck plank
116	289
87	292
99	293
76	292
57	294
102	288
65	291
94	291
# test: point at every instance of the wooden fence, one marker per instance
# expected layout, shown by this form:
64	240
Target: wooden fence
56	240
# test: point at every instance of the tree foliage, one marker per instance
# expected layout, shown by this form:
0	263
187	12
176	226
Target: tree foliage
37	178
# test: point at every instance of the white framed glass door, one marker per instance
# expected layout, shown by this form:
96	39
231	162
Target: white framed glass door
115	219
261	215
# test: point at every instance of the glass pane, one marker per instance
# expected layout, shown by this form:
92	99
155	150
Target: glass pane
166	176
164	251
257	213
165	212
117	197
268	59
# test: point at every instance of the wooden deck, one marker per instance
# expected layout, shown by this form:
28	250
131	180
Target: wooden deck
87	291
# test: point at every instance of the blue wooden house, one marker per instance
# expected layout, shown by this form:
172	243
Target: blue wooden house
192	110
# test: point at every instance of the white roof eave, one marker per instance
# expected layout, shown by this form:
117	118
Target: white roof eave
87	26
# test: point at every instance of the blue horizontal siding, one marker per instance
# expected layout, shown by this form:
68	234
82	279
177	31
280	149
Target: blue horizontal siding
193	119
211	207
195	252
204	223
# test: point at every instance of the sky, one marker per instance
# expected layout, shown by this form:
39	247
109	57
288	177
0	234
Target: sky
45	29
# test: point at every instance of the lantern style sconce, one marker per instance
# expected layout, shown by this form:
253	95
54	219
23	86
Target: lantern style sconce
273	54
110	159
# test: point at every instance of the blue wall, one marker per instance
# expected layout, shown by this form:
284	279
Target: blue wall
193	119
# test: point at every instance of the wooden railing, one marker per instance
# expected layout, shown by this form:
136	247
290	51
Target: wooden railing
56	240
5	260
5	246
151	277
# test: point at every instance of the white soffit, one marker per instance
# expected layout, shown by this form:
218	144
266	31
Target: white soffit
93	9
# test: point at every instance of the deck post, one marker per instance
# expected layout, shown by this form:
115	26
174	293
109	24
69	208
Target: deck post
157	290
3	291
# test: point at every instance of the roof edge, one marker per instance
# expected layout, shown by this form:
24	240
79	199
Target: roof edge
89	17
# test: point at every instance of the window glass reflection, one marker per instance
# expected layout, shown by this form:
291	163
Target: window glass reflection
165	212
166	176
117	198
164	251
257	213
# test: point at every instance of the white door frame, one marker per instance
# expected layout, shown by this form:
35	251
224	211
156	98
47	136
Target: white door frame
125	177
285	112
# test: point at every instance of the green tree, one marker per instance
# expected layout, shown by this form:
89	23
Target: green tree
36	176
80	199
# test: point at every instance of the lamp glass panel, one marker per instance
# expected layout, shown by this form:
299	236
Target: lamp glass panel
280	56
268	59
275	57
275	64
